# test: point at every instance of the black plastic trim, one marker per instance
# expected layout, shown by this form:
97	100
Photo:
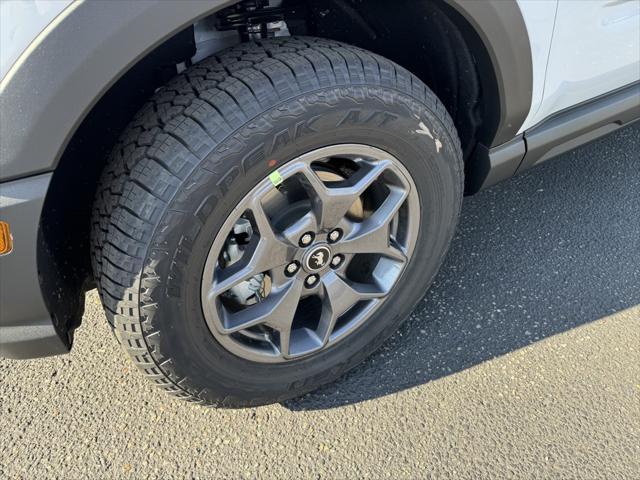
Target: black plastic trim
26	327
557	134
503	31
495	165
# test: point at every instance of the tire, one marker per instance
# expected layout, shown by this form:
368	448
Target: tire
205	140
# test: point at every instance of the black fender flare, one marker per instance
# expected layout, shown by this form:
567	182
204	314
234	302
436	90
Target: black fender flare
501	27
52	89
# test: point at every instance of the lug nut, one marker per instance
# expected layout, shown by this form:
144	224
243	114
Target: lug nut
306	239
335	235
336	261
291	268
311	280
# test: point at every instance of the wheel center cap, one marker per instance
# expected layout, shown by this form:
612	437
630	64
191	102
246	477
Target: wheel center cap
317	258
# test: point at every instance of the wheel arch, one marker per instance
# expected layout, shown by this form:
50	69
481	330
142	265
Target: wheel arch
94	44
77	83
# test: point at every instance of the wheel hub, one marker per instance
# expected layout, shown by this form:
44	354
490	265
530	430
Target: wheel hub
317	258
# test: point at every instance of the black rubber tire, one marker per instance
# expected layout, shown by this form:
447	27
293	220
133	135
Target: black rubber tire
199	145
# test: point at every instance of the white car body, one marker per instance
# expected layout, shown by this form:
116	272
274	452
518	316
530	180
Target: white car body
581	49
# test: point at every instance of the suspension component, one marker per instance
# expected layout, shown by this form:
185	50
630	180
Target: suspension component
255	18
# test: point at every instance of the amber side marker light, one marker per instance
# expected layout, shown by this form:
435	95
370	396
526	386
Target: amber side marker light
6	240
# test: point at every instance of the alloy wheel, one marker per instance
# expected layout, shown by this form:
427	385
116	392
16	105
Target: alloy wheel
310	253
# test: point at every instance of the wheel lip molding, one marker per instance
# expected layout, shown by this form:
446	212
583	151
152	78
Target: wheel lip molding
26	327
51	91
503	31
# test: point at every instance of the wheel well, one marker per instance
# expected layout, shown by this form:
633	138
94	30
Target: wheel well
428	37
434	42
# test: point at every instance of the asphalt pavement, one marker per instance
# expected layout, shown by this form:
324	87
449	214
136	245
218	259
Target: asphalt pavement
522	361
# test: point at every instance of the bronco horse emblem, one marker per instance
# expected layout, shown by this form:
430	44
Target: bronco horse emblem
318	258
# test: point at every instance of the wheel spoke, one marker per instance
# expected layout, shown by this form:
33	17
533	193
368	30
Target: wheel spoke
331	204
277	311
372	235
281	317
339	297
278	250
263	253
307	223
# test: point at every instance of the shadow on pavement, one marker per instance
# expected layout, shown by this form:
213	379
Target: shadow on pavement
550	250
